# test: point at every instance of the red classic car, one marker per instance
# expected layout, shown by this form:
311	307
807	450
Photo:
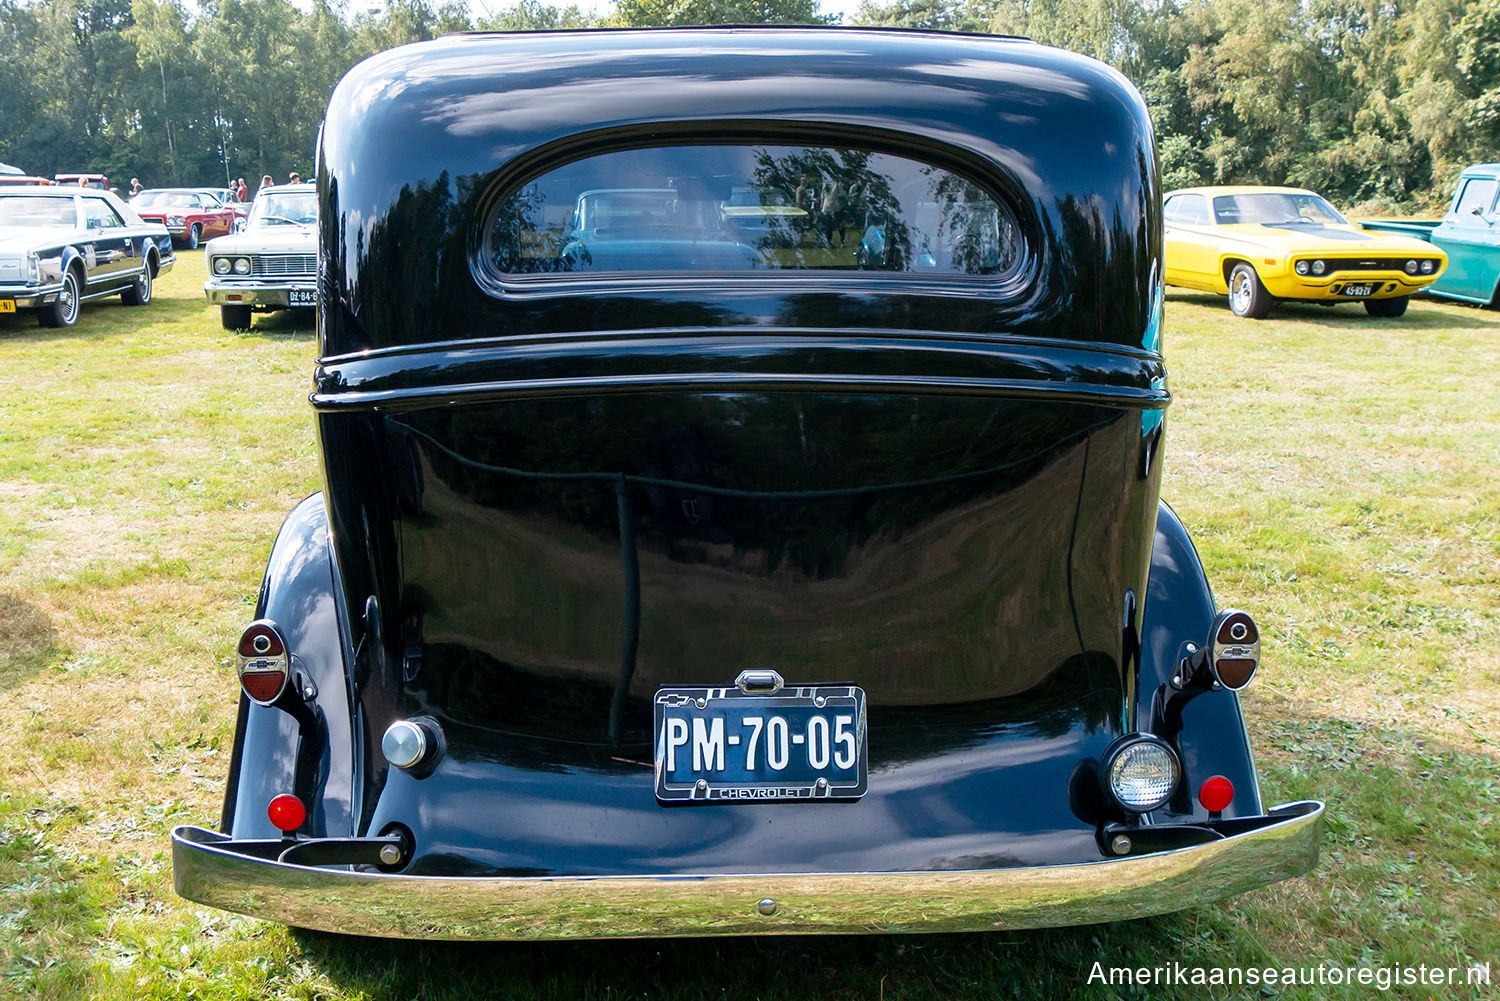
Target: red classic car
189	214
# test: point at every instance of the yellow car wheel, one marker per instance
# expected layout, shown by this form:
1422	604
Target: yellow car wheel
1247	296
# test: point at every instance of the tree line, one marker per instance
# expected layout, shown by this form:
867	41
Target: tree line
1372	102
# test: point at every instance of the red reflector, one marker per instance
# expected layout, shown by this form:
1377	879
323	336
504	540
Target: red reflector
1216	793
263	686
286	812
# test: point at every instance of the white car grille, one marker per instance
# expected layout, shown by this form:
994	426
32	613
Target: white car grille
285	265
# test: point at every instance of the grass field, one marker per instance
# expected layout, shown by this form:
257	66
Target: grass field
1341	476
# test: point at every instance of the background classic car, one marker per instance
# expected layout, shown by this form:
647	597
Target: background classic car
189	214
272	264
1466	233
1262	244
60	247
227	198
813	591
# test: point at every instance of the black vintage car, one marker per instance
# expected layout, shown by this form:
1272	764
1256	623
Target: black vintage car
741	453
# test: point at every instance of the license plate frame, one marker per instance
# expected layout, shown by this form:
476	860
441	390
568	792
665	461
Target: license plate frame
1359	290
7	305
302	297
747	773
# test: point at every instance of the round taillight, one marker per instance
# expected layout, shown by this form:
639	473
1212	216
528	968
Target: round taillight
286	813
1216	793
263	663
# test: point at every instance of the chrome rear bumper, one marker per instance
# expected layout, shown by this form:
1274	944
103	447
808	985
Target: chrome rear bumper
207	869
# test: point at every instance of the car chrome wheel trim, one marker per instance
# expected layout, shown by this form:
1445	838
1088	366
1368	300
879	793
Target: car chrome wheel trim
1239	292
67	299
143	285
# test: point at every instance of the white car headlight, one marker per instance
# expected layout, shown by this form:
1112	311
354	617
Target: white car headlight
242	265
174	220
221	265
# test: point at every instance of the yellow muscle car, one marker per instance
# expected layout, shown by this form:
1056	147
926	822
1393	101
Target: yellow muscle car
1260	244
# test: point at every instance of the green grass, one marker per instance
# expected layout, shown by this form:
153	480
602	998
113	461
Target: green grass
1339	475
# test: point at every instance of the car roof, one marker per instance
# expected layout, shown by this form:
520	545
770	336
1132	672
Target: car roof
1240	189
303	186
52	191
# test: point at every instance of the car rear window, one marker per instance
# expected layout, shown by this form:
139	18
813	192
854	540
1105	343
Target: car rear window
748	208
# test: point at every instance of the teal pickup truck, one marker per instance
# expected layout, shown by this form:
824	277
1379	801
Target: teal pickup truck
1469	233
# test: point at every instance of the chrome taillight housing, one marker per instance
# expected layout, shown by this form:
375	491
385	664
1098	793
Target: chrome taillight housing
263	661
1234	649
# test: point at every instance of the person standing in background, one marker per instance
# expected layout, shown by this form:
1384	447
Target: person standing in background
135	186
265	182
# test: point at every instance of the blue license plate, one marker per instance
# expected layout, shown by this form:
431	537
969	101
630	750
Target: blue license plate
722	745
303	297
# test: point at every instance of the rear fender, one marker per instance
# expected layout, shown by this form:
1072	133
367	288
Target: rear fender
1208	730
273	752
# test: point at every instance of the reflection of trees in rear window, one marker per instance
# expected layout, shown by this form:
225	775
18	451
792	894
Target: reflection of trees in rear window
751	208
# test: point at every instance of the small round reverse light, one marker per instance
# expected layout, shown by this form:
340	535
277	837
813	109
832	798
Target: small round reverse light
405	743
286	813
1141	772
263	663
1216	793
